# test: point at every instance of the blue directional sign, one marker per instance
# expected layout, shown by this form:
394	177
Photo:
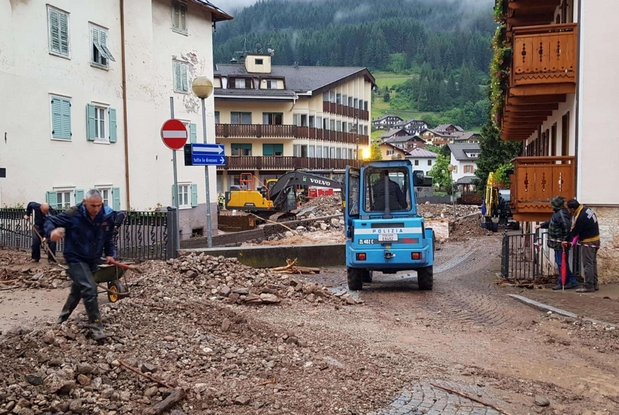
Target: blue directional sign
204	155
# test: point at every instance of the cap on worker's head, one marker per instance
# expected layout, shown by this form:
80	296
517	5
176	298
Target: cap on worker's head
557	202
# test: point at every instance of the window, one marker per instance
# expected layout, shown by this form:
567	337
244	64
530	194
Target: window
259	62
389	152
299	150
272	118
183	195
311	151
319	152
100	124
179	17
272	149
416	162
105	195
101	55
468	169
217	117
240	117
338	98
242	83
429	162
61	118
58	26
63	198
181	70
338	153
455	169
241	149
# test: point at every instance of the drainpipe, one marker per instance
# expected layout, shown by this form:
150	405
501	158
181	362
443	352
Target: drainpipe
124	88
576	98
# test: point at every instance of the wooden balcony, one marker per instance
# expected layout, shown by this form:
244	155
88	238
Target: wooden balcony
345	110
290	132
285	163
543	71
535	181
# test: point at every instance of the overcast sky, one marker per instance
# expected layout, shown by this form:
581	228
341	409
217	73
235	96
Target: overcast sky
235	5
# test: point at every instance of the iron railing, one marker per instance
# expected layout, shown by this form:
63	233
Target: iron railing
144	235
526	257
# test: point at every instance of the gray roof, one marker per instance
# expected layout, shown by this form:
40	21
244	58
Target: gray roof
459	150
467	135
466	180
384	117
298	79
403	139
422	153
218	14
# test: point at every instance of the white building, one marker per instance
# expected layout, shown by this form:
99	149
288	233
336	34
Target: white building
464	158
422	159
87	86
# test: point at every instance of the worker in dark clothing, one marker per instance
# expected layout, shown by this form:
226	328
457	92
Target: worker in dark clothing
585	227
40	211
397	200
559	226
89	228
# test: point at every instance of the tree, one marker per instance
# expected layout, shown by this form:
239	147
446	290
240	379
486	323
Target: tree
375	153
440	173
387	96
494	153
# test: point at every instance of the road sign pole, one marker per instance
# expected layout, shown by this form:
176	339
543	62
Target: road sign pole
209	233
175	185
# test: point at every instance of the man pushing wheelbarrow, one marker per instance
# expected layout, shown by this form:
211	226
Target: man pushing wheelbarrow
88	230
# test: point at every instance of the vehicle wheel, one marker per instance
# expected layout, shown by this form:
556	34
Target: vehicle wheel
425	278
367	275
116	291
355	279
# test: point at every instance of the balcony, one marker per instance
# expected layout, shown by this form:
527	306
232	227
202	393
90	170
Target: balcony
543	71
345	110
535	181
287	132
285	163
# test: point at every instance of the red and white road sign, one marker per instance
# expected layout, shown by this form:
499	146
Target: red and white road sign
174	134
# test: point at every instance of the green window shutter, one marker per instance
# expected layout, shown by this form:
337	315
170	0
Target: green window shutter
56	118
66	119
51	198
194	195
193	134
116	198
63	33
79	195
113	133
267	149
90	122
278	149
177	76
54	31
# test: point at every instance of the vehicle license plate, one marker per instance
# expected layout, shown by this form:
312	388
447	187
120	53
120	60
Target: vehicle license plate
388	237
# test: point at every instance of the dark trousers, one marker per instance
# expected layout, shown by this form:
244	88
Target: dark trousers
85	288
36	245
590	263
569	278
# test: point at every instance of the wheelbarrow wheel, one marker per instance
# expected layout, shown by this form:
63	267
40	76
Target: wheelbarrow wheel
116	291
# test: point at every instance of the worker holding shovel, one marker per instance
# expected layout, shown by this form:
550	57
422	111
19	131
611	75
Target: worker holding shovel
40	211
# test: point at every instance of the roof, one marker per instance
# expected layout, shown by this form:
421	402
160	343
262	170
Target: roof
298	79
466	180
467	135
421	153
384	117
411	120
395	147
403	139
392	132
217	13
444	127
459	151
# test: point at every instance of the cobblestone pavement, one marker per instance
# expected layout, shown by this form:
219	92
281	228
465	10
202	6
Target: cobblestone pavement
424	399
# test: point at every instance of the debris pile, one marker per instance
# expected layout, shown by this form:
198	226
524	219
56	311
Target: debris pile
16	270
441	210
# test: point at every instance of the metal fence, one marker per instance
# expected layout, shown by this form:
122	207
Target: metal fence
144	235
526	257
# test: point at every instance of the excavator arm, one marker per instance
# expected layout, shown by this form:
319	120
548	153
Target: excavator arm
280	192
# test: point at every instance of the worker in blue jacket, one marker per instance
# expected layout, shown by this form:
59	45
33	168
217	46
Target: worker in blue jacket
88	231
40	212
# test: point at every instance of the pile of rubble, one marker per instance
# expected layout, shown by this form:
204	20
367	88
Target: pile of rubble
17	271
440	210
186	329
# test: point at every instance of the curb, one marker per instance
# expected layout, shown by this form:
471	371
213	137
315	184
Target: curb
546	307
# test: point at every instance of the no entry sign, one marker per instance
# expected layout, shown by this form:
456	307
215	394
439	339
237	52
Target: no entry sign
174	134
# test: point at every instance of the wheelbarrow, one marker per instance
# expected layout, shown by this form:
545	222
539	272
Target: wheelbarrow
111	274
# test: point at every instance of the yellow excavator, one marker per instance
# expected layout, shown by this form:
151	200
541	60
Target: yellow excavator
495	207
275	199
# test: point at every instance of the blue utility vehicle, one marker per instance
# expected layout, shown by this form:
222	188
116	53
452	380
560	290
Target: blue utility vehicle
383	229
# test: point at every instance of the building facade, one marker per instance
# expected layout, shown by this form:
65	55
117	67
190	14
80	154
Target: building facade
386	122
422	159
95	81
464	158
273	119
560	102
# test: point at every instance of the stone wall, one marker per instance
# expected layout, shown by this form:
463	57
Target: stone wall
608	255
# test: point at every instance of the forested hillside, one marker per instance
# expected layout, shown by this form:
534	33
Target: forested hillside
444	42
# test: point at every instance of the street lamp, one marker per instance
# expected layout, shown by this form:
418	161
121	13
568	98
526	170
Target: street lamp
451	169
203	88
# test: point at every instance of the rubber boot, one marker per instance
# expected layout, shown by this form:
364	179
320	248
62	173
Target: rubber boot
72	301
94	319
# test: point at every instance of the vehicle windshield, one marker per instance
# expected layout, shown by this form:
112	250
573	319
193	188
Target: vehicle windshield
387	188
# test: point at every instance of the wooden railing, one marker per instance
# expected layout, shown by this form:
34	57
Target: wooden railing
536	180
285	163
287	132
345	110
544	54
